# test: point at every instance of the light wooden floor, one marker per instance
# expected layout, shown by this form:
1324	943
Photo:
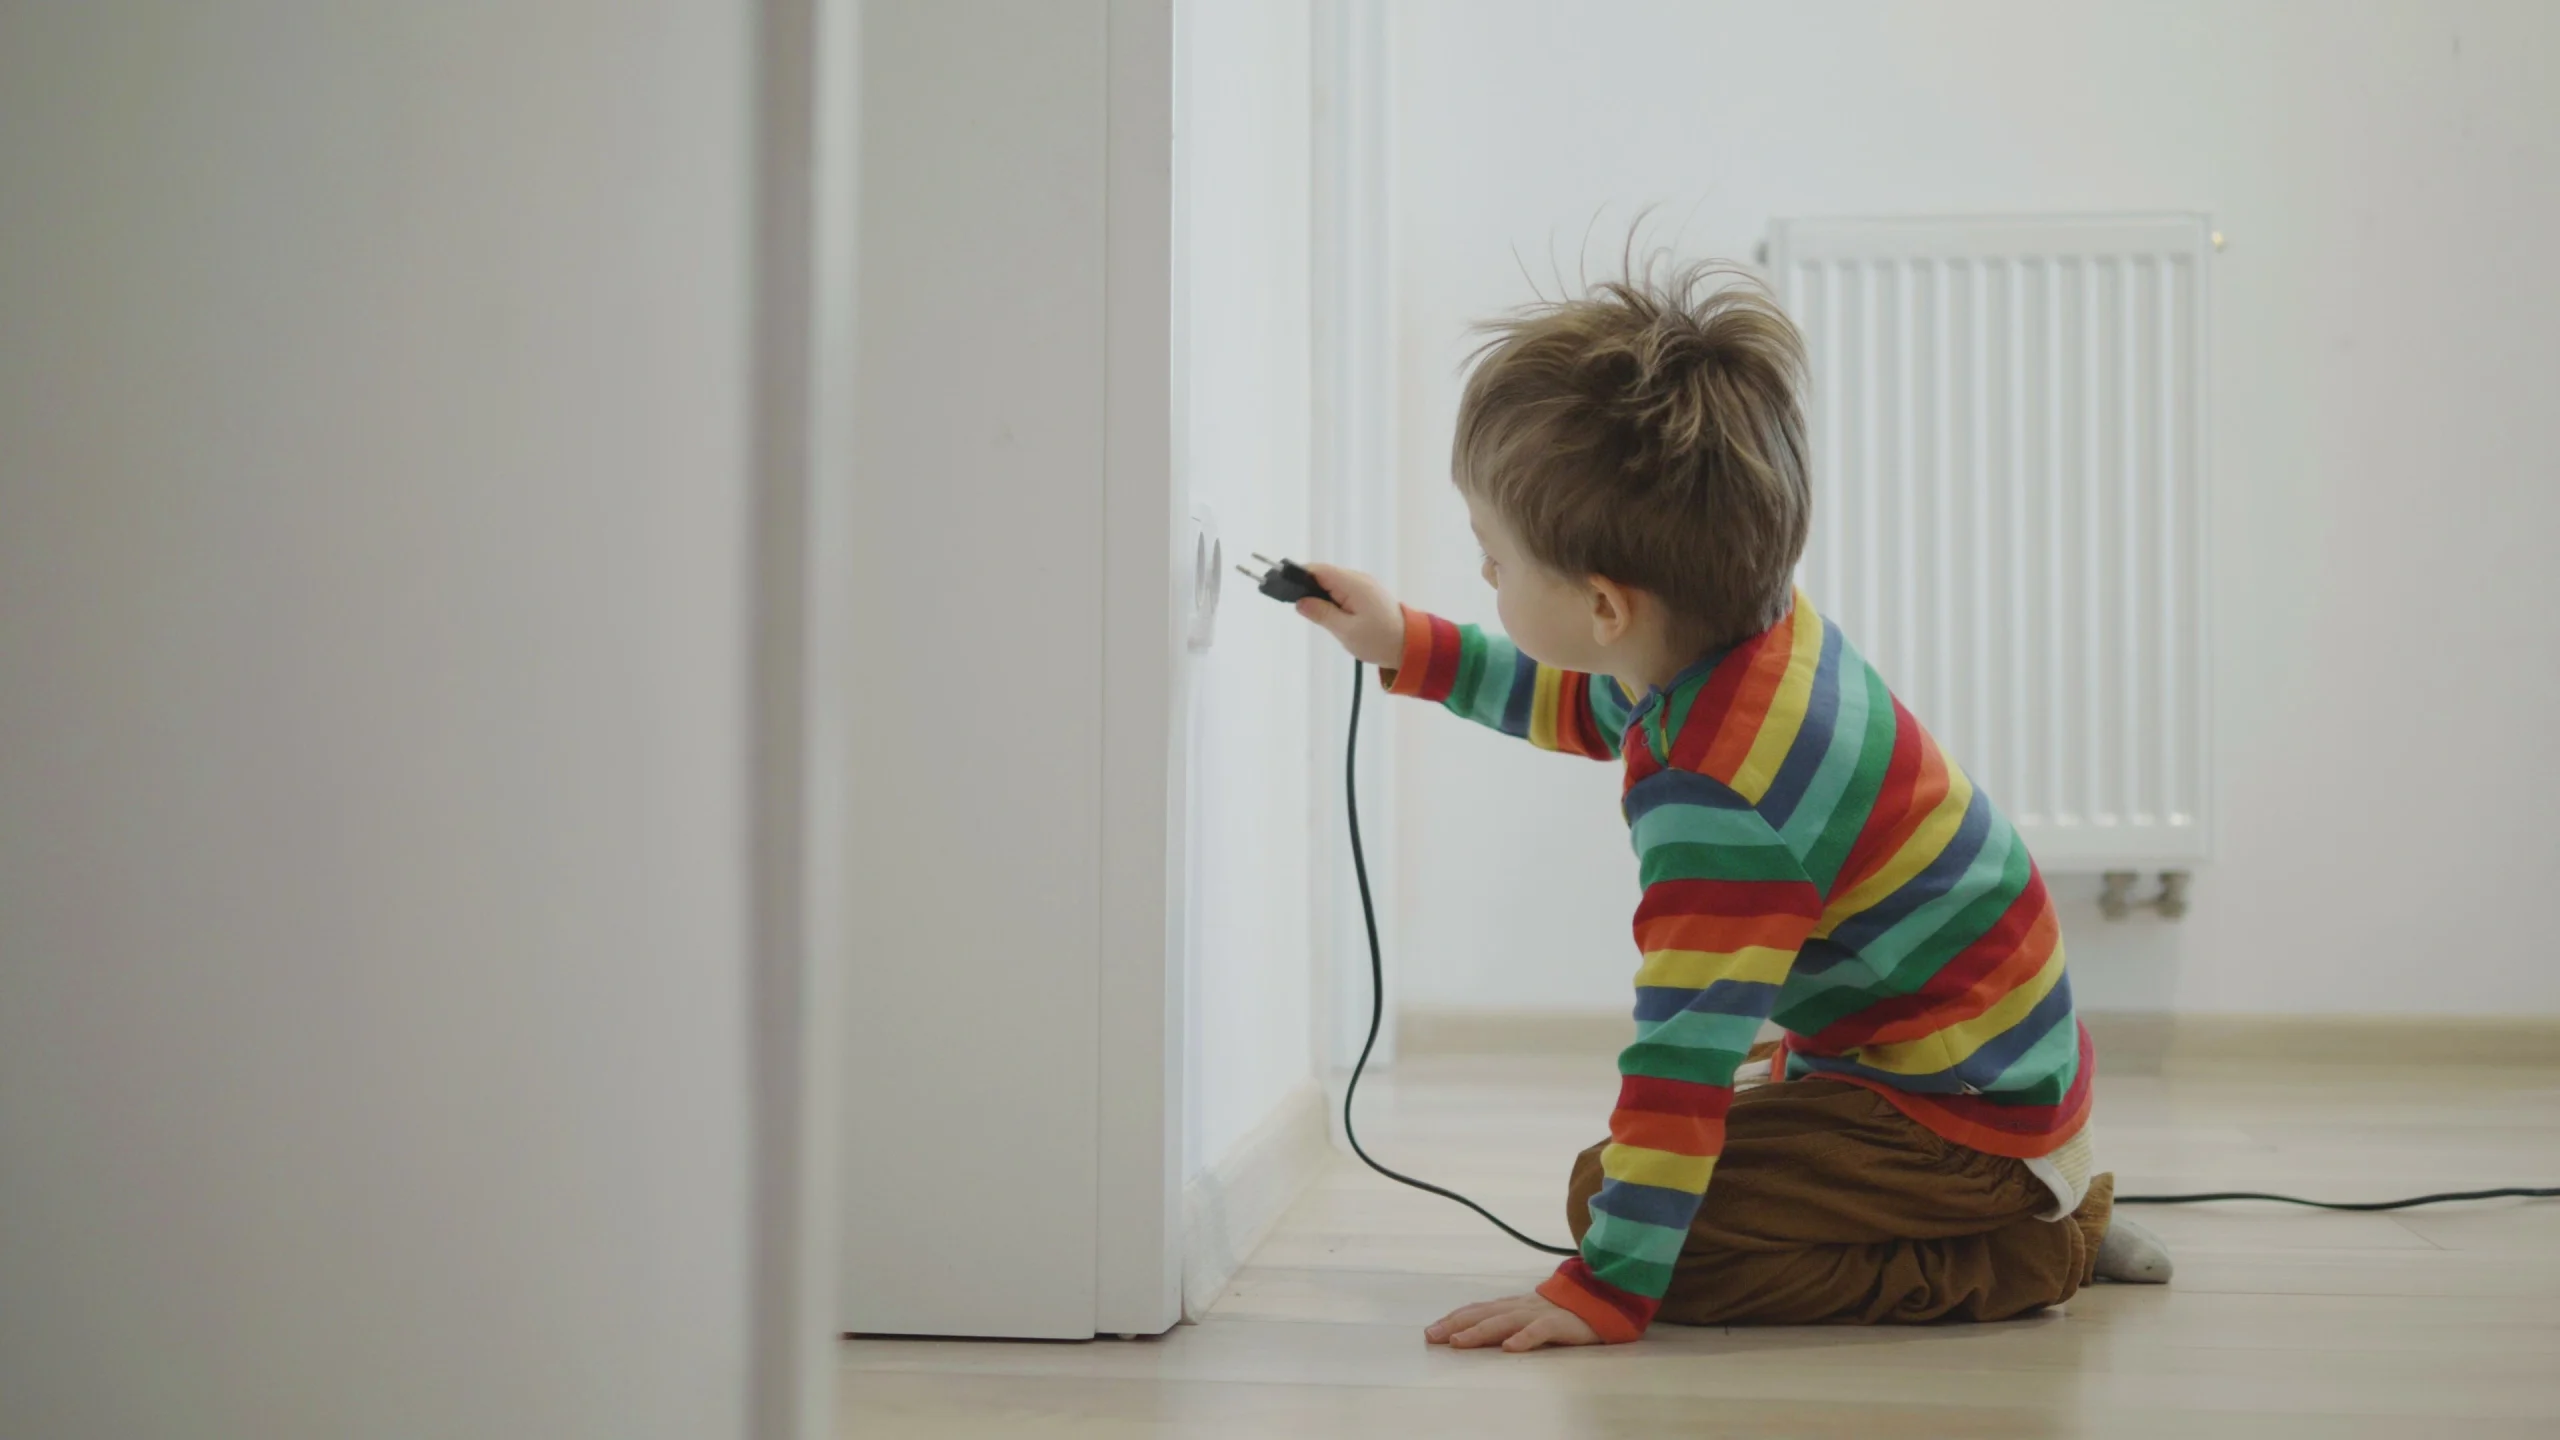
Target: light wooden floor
2282	1322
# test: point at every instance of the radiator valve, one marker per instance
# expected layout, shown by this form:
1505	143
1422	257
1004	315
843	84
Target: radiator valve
2116	900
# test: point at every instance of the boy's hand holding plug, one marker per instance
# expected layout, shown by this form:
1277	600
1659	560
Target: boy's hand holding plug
1363	616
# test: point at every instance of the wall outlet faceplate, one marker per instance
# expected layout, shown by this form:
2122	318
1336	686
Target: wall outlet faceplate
1208	564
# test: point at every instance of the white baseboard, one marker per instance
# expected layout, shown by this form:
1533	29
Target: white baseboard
2128	1042
2149	1043
1514	1032
1228	1210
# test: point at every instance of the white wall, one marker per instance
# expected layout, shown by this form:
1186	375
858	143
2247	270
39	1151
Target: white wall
1242	315
373	705
2387	337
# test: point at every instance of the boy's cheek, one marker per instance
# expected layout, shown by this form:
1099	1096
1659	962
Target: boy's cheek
1538	635
1523	629
1519	618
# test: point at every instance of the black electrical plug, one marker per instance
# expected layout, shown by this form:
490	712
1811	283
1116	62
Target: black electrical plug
1286	581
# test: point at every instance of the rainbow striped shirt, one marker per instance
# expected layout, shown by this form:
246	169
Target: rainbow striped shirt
1808	855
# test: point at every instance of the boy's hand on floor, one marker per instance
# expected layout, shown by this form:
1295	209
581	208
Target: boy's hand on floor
1365	618
1517	1323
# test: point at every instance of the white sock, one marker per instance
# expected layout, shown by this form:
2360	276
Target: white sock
2133	1255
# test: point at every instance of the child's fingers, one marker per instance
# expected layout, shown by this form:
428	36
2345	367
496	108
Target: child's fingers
1331	577
1467	1315
1546	1330
1345	586
1331	617
1493	1331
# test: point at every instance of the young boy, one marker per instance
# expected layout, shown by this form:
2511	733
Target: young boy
1634	464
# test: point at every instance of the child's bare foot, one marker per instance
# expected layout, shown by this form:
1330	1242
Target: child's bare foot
2132	1255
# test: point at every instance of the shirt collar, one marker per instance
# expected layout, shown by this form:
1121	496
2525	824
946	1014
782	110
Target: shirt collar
1705	665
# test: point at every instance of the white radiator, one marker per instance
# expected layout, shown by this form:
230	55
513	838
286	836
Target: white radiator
2008	430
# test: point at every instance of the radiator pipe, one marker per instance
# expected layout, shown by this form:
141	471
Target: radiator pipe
2116	900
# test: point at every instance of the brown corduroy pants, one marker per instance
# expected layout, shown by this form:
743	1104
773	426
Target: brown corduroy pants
1829	1206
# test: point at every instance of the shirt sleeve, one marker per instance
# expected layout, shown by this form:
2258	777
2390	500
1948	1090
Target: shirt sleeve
1726	909
1485	678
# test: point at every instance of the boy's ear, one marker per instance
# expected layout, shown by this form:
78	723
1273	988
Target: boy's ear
1613	609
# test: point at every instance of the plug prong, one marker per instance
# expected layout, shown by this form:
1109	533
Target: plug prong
1265	559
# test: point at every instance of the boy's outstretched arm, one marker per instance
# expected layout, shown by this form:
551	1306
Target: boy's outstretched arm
1475	673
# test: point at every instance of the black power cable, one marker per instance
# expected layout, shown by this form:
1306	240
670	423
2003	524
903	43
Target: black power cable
2508	1192
1288	581
1378	980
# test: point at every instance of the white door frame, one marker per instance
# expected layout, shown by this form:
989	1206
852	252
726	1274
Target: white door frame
1147	577
1355	490
805	177
1009	1100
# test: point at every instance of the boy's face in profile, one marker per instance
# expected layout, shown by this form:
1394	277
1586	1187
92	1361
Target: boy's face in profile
1592	623
1549	616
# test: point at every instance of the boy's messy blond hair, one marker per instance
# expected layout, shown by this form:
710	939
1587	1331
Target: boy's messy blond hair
1650	432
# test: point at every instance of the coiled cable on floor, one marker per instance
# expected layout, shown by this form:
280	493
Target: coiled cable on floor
2507	1192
